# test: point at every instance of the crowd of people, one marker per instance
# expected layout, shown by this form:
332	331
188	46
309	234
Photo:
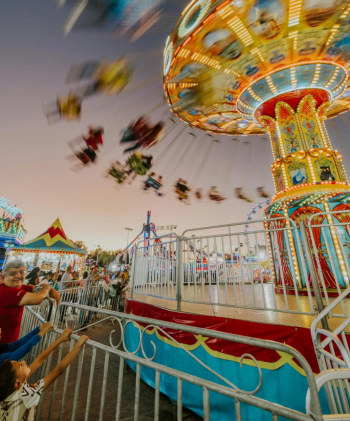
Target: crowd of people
18	398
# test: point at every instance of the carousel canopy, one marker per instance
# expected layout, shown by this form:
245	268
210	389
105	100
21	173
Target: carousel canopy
226	58
54	239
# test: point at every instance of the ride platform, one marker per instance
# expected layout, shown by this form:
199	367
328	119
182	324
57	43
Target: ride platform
282	317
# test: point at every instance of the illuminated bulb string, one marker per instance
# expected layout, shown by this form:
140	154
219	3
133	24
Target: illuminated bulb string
294	12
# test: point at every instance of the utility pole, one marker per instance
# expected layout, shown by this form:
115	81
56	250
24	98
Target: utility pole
98	253
127	243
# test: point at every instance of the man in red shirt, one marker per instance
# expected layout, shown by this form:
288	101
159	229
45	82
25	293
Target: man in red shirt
14	295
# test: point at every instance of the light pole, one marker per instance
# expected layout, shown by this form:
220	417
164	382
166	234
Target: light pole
98	253
127	243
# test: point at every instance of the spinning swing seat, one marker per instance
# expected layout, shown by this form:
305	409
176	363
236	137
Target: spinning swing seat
217	198
86	158
69	107
182	195
113	77
118	174
136	165
154	184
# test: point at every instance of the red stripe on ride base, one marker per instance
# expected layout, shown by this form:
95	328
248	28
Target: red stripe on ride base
296	337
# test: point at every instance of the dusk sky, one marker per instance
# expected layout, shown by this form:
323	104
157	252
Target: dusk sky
35	175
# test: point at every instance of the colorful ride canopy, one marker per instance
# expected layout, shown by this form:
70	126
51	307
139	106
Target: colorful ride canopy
225	59
54	240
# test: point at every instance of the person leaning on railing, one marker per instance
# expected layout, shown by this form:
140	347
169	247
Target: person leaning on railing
18	399
14	296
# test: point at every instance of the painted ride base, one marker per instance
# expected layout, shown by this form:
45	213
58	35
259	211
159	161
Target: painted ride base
283	381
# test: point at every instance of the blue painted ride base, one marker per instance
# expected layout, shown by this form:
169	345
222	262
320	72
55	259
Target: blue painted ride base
285	385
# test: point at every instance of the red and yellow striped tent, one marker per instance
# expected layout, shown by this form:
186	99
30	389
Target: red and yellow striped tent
53	240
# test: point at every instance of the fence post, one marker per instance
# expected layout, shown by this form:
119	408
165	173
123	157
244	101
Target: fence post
52	313
179	271
313	274
133	270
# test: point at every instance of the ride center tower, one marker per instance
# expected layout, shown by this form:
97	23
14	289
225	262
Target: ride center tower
245	67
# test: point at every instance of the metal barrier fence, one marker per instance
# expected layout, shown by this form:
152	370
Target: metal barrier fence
33	317
328	234
90	389
333	353
243	275
155	271
228	265
90	295
275	264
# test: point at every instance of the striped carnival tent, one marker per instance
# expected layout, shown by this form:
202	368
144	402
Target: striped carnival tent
49	250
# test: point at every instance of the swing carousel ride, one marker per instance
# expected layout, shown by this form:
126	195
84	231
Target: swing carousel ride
250	67
239	69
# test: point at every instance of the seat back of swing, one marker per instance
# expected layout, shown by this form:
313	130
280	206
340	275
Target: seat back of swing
153	183
113	77
136	165
69	107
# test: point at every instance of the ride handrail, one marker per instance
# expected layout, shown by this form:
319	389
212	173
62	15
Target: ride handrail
324	313
326	377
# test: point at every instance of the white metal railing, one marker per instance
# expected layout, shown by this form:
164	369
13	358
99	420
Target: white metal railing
104	357
33	317
333	353
341	377
90	295
274	264
228	265
243	274
154	271
330	243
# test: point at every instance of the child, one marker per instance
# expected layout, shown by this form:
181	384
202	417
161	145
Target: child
18	399
17	350
53	282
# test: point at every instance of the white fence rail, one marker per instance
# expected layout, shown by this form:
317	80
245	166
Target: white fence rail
96	361
275	264
333	353
155	271
329	236
239	271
